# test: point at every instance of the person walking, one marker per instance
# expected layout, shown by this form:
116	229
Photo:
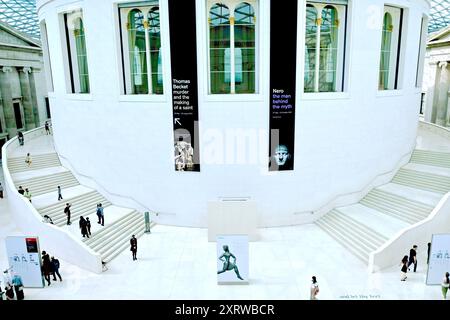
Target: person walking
18	287
20	138
314	289
67	212
27	194
133	244
55	269
47	128
59	193
413	257
428	252
445	285
88	226
1	191
100	214
28	160
46	266
21	191
83	227
404	268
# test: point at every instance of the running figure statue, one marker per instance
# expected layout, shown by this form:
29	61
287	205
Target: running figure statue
227	264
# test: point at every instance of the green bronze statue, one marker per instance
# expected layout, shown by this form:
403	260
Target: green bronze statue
227	264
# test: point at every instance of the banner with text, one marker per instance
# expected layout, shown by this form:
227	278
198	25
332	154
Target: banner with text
283	61
183	49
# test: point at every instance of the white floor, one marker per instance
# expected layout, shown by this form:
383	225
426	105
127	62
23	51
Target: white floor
179	263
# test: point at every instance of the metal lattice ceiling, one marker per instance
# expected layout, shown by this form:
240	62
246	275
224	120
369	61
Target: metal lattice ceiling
439	15
21	15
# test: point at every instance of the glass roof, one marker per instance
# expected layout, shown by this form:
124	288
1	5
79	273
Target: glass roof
439	15
21	14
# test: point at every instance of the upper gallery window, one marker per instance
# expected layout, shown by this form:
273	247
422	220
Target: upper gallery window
390	48
325	46
141	48
76	52
232	47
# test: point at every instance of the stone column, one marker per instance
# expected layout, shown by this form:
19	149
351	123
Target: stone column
34	96
441	106
26	98
8	109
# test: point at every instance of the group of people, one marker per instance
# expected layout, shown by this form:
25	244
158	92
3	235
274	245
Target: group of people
85	223
20	136
407	261
13	287
26	193
50	266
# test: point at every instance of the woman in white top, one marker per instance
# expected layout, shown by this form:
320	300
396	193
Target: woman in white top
445	284
314	289
28	160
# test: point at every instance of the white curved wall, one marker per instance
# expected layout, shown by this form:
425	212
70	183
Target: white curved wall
343	140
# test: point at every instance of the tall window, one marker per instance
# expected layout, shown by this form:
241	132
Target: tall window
141	48
324	47
232	47
390	48
76	50
422	48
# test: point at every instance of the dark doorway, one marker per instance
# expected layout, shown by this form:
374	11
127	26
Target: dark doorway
18	115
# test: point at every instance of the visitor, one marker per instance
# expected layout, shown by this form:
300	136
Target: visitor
88	226
59	193
47	219
404	269
67	212
428	252
133	249
83	227
20	138
46	266
9	291
47	127
55	269
18	287
21	191
28	160
413	257
1	191
27	194
100	215
1	293
445	285
314	289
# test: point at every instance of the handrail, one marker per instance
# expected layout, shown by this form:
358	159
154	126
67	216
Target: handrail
35	222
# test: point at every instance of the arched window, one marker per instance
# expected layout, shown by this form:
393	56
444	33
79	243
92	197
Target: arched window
219	49
324	47
141	47
386	43
244	48
310	48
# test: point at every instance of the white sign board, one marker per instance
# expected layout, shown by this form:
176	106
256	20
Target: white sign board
232	259
24	260
439	262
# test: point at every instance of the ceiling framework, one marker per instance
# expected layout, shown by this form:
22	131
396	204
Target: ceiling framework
439	15
21	15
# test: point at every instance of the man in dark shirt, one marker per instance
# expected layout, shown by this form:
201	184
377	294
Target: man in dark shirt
413	257
21	191
67	212
133	249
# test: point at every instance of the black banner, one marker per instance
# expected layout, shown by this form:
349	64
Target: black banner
183	47
283	60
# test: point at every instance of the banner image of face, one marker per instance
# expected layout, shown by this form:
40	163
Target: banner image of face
232	259
439	262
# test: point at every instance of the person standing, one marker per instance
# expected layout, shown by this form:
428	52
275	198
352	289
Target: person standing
21	191
46	266
428	252
314	289
133	244
47	127
27	194
28	160
413	257
55	269
9	290
445	285
88	226
20	138
18	287
83	227
67	212
59	193
100	214
404	268
1	191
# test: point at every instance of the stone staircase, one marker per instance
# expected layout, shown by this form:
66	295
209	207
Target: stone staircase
39	161
83	205
48	183
112	240
359	236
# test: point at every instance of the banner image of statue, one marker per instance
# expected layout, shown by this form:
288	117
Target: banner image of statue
184	155
232	259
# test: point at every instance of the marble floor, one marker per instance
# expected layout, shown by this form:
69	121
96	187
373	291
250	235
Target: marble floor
180	263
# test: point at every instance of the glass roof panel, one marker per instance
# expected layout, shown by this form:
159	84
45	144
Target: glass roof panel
439	15
21	15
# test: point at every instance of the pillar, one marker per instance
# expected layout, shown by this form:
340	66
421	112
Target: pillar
8	109
34	96
430	112
27	103
442	101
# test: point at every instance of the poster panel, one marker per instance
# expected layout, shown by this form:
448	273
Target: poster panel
439	262
24	260
232	259
183	50
283	62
